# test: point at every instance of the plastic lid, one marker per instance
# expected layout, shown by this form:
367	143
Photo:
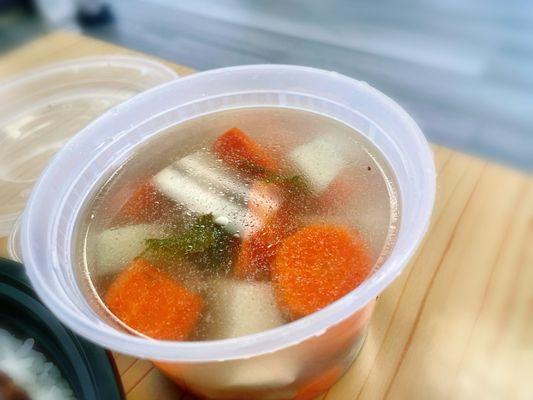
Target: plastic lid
42	109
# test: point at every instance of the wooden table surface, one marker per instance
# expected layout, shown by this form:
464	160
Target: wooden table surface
457	324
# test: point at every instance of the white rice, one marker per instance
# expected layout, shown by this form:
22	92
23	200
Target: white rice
30	370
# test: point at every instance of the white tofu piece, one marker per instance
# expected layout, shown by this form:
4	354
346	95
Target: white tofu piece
116	247
320	161
243	308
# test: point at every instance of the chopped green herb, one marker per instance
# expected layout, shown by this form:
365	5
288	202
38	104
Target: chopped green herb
295	184
251	168
205	243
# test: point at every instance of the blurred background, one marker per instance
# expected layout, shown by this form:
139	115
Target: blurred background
463	69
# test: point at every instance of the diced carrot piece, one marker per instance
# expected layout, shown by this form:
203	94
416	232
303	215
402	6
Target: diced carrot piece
244	267
264	200
146	204
316	266
153	303
320	384
238	150
257	252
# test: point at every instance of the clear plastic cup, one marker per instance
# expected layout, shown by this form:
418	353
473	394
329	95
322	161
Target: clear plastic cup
297	360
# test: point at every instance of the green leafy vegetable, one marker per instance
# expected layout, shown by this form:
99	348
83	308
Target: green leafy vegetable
251	168
205	243
294	183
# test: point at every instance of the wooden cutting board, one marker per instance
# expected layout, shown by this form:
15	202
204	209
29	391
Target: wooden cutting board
457	324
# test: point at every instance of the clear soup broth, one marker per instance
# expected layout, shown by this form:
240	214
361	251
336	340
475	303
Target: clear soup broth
237	222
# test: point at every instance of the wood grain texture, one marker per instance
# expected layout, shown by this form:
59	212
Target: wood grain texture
457	324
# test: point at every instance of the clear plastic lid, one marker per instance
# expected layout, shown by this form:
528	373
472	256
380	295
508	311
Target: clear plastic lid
42	109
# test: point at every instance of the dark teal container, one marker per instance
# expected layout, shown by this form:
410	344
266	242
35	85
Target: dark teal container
89	369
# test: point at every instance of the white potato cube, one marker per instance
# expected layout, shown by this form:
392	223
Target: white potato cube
320	161
243	308
269	371
116	247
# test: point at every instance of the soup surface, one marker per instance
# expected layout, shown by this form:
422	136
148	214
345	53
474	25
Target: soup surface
237	222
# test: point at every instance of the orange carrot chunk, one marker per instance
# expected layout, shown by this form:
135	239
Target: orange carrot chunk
238	150
146	204
153	303
257	253
316	266
264	200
